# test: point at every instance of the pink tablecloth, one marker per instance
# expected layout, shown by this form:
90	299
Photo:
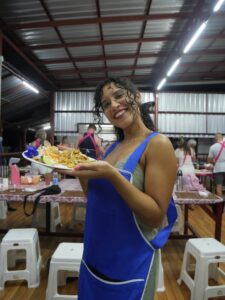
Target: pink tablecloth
71	193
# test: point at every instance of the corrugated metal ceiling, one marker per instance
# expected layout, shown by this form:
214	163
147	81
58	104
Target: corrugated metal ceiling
74	44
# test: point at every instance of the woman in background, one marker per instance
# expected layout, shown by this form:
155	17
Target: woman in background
64	143
127	201
40	141
184	157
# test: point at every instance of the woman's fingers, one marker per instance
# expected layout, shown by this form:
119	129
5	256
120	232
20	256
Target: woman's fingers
64	171
86	166
92	166
98	169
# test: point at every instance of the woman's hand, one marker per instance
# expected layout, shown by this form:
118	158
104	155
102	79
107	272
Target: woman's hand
98	169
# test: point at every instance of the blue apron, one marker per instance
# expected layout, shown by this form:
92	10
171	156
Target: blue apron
117	258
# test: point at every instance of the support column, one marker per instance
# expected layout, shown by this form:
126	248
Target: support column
1	61
52	117
156	99
1	129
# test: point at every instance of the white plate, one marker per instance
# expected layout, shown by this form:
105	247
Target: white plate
55	166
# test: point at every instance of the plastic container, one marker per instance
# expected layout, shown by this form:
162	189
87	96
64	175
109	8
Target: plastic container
179	185
55	180
14	175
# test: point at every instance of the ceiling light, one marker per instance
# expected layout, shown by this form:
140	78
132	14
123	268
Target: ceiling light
31	87
195	36
173	67
161	84
47	127
218	5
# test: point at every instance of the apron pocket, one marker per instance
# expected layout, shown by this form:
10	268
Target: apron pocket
92	287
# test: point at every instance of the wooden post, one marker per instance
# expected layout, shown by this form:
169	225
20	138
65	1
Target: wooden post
52	111
156	99
1	61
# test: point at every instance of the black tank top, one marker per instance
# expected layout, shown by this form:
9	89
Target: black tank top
87	147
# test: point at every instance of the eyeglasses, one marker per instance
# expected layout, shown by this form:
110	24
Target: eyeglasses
117	96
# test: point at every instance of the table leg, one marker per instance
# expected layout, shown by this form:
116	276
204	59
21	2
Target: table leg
218	220
48	216
186	219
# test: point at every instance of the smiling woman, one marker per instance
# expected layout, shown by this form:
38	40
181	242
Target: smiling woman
120	91
126	202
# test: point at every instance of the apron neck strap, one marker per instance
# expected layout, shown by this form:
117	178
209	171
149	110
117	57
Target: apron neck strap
136	155
132	161
110	149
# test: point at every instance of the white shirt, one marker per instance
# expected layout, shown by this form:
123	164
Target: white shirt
220	163
185	163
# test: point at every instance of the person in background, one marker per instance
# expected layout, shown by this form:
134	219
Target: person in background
10	208
129	194
64	143
216	157
90	144
192	144
1	144
184	157
40	141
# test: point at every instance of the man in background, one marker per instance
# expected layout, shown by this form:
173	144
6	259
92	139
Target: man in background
216	157
90	144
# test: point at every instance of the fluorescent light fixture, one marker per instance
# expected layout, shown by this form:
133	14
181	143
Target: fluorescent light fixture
195	36
161	84
31	87
173	67
47	127
218	5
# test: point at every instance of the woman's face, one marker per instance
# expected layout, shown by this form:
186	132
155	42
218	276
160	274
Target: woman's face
117	107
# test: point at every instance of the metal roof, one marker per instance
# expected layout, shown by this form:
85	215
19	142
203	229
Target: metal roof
75	44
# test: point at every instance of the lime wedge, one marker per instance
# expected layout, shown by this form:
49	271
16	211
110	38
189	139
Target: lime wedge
48	161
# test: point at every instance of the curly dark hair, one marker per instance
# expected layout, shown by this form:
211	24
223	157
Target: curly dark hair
131	89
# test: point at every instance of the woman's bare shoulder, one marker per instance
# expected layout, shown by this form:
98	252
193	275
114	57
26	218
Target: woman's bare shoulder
160	140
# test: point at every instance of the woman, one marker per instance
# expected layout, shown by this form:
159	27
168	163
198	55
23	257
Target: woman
184	158
39	142
128	196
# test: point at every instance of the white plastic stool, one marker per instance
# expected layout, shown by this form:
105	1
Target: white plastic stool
78	215
3	210
14	241
160	275
208	253
39	217
179	224
66	259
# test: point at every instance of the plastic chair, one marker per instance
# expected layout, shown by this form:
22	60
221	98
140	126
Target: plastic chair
39	217
208	253
12	243
3	210
160	275
65	262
